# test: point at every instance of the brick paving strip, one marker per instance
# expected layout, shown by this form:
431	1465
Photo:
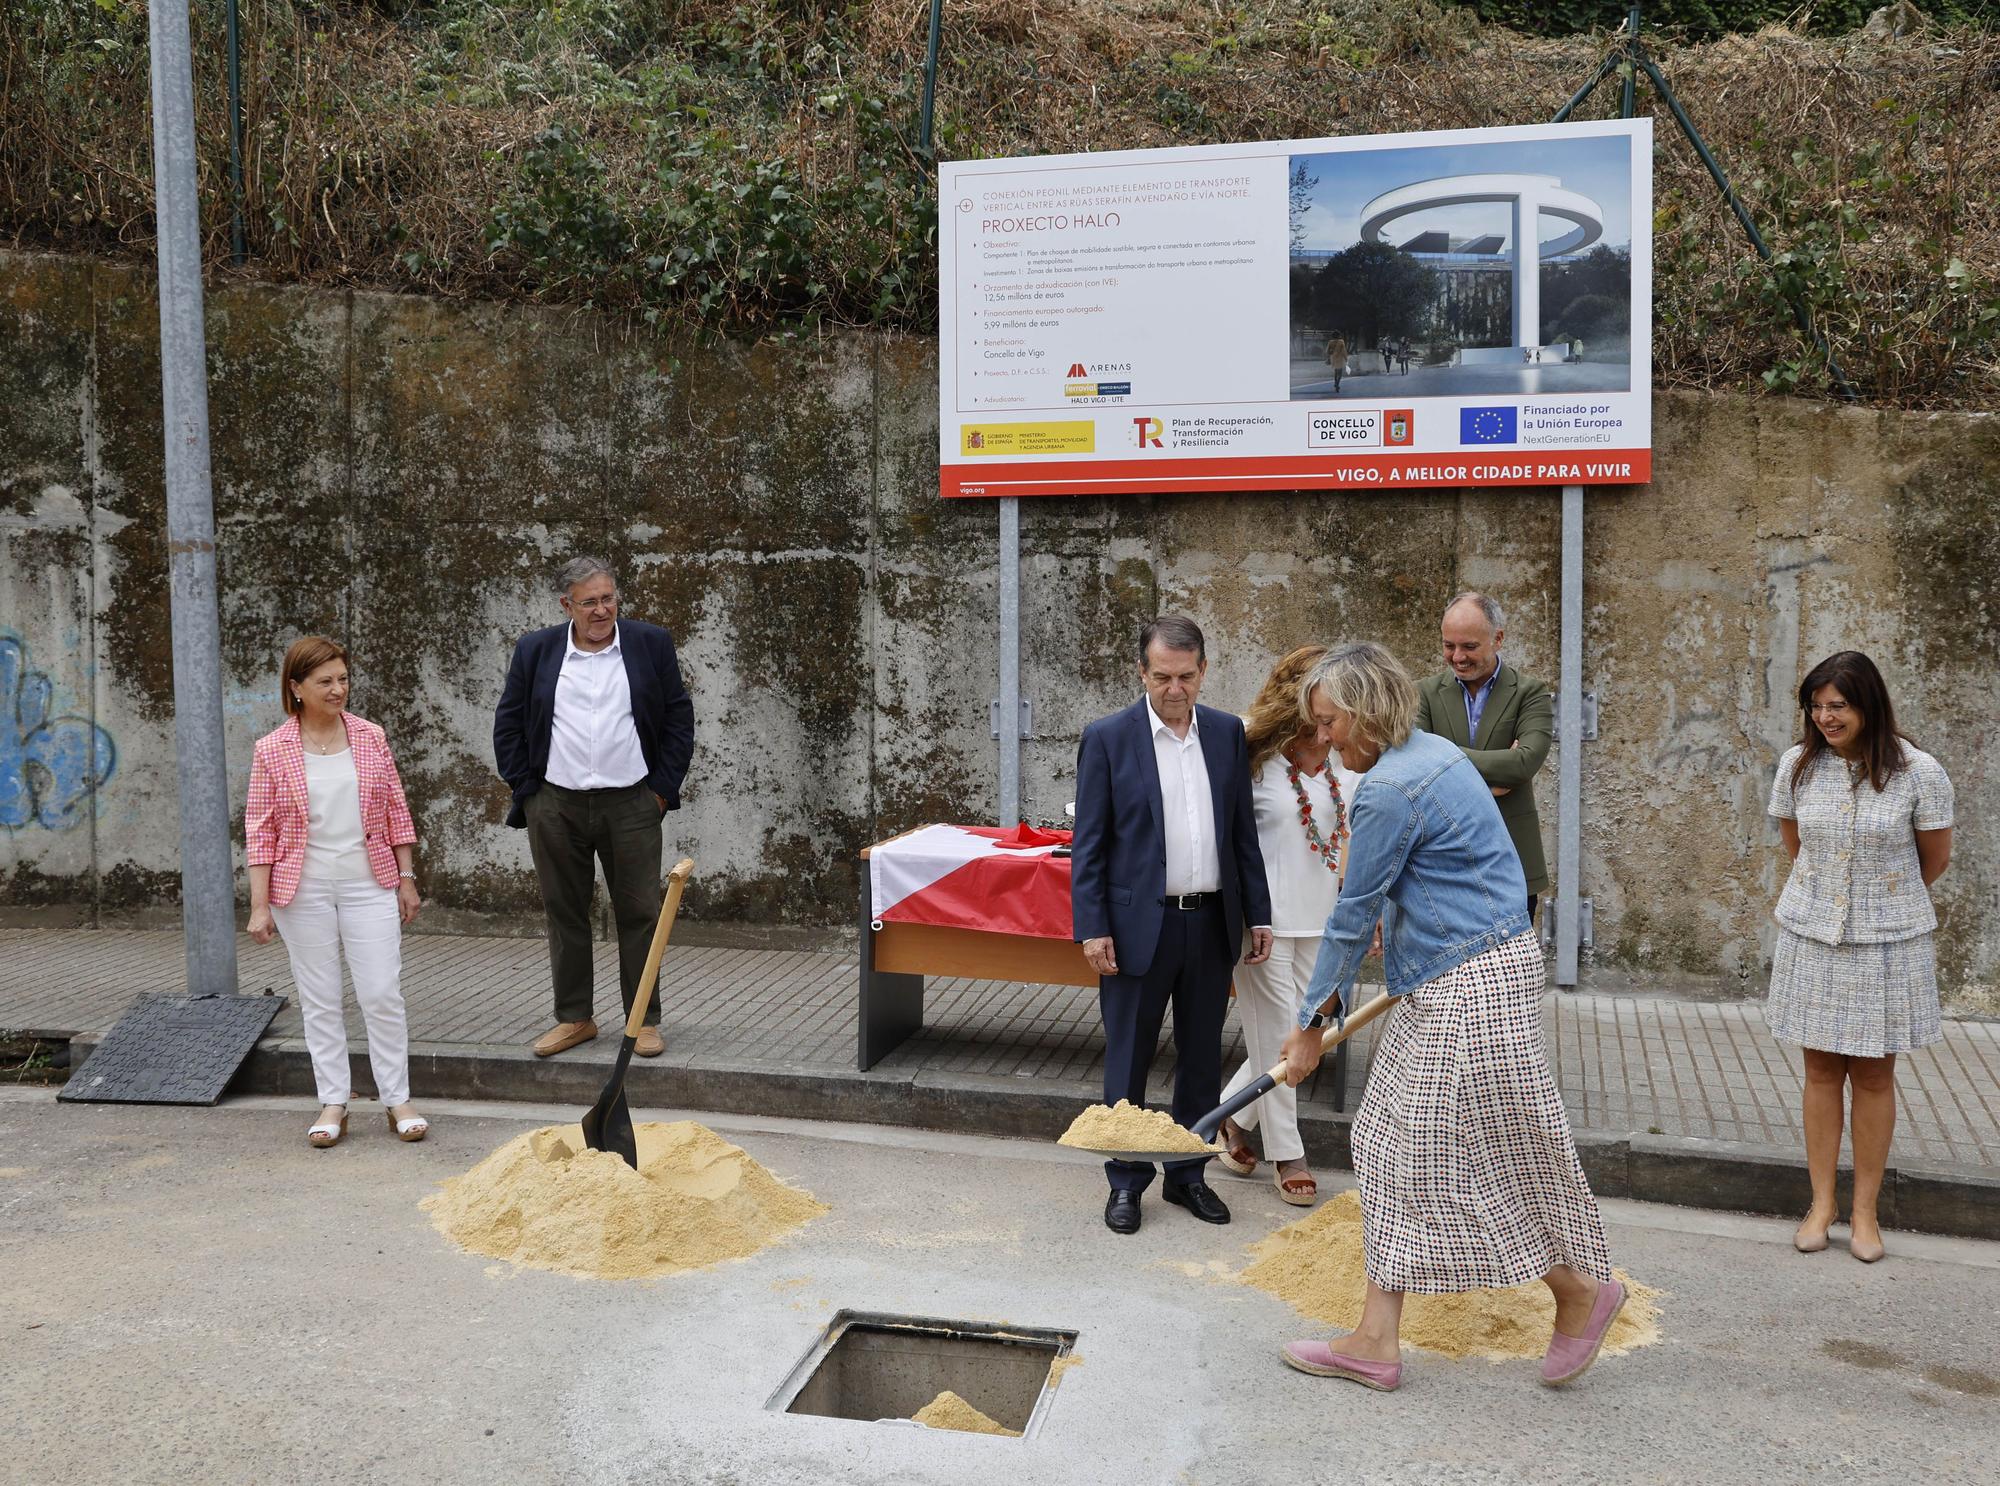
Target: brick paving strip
1672	1099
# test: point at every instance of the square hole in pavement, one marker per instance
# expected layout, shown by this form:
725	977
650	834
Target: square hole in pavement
875	1366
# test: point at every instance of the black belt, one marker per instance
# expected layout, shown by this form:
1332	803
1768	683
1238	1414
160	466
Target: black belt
1189	902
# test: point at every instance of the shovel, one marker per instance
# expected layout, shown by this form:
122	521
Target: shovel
1206	1127
608	1124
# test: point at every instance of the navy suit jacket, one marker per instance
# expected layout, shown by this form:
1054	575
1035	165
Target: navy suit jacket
661	710
1118	860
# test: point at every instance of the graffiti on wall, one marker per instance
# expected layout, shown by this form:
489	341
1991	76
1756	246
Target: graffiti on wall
50	767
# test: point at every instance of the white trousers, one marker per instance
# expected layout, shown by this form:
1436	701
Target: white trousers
358	916
1267	1003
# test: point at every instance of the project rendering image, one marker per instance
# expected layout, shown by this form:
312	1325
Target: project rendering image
1453	270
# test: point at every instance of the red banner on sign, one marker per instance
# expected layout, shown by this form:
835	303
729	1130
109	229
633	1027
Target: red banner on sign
1298	472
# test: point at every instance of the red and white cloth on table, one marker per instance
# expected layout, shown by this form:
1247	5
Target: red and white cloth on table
974	877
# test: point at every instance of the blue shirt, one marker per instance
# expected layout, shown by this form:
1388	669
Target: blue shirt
1427	841
1475	701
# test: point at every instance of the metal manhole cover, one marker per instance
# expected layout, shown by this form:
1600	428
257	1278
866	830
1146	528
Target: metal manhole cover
172	1050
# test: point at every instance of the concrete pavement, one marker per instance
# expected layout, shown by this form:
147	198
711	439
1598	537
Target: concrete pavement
196	1295
1672	1098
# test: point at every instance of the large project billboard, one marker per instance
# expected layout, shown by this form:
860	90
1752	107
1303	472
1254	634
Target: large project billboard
1465	307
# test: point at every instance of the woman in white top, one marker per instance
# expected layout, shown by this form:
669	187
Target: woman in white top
1866	817
1300	797
329	839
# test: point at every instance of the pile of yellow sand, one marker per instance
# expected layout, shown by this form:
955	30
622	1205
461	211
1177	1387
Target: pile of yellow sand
949	1411
546	1201
1126	1126
1316	1266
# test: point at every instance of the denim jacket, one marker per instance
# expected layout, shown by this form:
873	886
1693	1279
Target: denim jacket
1430	856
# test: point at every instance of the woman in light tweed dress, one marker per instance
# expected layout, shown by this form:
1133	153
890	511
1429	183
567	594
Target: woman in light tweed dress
1469	1177
1854	979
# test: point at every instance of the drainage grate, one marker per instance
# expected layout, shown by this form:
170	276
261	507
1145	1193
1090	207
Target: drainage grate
873	1366
173	1050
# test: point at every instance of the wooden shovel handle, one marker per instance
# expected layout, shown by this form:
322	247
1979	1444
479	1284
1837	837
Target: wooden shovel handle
676	883
1337	1035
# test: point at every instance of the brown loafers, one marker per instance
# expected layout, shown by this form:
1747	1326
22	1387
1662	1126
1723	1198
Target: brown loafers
649	1044
562	1037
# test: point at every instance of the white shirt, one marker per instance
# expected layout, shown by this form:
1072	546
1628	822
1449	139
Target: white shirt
593	742
334	849
1187	808
1303	888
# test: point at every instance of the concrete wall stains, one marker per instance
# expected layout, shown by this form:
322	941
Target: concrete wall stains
405	474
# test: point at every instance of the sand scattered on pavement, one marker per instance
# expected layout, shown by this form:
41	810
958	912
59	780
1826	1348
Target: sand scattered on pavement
1315	1265
1126	1126
546	1201
949	1411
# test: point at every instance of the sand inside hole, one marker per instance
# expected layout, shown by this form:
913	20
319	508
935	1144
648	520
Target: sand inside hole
1315	1265
1125	1126
546	1201
949	1411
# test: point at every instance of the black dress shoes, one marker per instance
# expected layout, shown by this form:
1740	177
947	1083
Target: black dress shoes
1121	1212
1198	1198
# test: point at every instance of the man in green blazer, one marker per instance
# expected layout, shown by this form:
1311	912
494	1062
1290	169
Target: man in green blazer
1503	720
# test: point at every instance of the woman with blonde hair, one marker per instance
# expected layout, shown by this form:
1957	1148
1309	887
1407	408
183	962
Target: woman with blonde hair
1300	797
330	836
1469	1176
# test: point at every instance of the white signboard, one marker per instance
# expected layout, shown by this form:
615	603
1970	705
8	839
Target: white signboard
1466	307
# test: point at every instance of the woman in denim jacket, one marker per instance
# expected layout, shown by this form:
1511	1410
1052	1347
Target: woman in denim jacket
1469	1176
1854	977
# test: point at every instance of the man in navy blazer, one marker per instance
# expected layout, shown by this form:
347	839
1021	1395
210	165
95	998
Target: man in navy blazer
1165	875
593	735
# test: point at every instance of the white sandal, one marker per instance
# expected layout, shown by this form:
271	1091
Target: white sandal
324	1136
414	1128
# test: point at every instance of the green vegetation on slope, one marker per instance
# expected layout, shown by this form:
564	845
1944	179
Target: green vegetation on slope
743	165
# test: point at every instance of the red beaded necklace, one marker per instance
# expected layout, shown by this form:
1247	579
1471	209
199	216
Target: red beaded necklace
1327	850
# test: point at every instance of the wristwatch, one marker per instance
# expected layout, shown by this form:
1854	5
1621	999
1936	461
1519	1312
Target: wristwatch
409	876
1319	1019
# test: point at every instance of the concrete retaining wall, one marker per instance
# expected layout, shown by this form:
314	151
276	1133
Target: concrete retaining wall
404	474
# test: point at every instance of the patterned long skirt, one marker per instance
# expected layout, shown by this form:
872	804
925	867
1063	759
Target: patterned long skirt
1469	1177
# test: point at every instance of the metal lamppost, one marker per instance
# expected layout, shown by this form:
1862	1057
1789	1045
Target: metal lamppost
208	879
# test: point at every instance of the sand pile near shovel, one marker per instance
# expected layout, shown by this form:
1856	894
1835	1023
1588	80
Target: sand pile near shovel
1125	1126
1316	1266
949	1411
546	1201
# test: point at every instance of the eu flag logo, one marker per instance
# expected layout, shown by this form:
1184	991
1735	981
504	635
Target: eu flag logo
1486	425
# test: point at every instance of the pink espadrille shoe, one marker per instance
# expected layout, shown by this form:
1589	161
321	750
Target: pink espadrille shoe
1569	1357
1322	1361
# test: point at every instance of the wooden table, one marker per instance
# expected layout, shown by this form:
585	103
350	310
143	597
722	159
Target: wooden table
896	958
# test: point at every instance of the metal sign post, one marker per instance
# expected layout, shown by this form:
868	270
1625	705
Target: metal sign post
1008	724
1569	733
208	878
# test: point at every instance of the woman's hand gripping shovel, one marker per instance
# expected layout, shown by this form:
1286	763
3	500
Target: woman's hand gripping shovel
608	1124
1209	1124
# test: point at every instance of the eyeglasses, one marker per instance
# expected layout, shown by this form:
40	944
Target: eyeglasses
607	604
1829	709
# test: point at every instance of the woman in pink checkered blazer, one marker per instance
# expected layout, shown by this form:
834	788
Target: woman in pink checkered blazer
330	836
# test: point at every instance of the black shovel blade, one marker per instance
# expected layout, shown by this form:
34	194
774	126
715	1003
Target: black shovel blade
607	1124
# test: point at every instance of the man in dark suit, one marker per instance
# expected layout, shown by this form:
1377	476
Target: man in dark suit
593	735
1165	874
1503	720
